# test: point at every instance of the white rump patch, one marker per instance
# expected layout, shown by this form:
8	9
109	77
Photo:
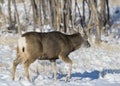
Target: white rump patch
22	43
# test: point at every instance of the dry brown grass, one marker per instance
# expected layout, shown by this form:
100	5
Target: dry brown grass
112	2
110	47
4	65
115	3
11	41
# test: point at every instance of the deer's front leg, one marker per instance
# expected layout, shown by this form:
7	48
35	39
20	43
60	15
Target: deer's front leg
54	68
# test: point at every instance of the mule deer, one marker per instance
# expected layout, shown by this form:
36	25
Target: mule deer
46	46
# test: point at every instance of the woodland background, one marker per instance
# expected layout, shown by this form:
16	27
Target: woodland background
68	16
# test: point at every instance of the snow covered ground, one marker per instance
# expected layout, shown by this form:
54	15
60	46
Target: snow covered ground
95	66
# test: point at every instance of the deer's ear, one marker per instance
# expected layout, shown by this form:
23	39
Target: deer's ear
86	32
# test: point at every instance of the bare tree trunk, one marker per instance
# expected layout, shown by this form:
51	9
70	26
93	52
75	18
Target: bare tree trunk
62	17
2	13
98	31
102	15
43	9
83	19
9	13
72	13
0	17
90	18
70	16
108	11
48	12
26	14
66	15
58	16
35	13
40	15
45	13
17	16
53	14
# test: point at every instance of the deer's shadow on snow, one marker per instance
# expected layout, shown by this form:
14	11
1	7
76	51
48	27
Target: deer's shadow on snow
92	75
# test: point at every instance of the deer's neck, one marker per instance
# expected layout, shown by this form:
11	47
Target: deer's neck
76	40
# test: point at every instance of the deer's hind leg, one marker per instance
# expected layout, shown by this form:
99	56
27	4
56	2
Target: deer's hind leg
26	65
66	59
15	63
